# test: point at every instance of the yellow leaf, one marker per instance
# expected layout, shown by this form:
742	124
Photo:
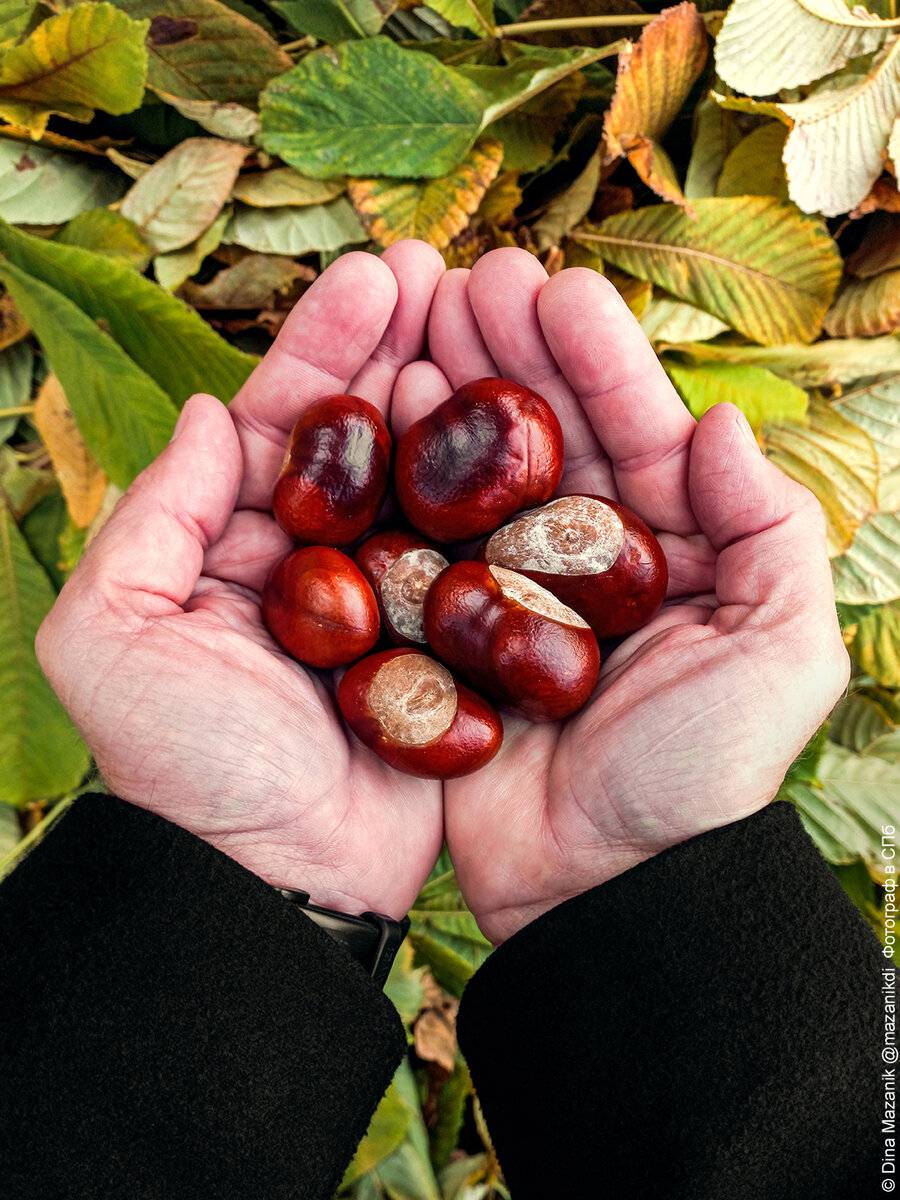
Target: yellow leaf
866	307
654	77
435	210
82	481
754	166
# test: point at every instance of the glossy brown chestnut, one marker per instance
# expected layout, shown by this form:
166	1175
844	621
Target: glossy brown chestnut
492	448
512	640
400	567
319	607
595	555
335	473
414	715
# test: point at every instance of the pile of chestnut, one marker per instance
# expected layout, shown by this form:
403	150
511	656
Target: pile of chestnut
519	619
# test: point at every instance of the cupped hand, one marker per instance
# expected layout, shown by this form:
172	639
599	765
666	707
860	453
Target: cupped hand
698	715
157	648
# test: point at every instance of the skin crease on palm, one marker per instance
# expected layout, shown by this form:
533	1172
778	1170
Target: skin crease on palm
157	648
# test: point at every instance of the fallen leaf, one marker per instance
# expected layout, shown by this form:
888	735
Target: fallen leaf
866	307
254	282
434	1031
13	326
879	249
82	481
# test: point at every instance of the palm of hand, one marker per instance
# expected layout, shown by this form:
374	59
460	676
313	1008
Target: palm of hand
697	715
158	649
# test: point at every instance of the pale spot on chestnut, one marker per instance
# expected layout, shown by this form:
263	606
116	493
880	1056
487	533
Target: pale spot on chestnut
535	598
414	699
575	535
404	587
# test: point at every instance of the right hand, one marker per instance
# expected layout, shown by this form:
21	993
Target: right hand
157	648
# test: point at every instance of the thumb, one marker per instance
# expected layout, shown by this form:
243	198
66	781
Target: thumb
149	554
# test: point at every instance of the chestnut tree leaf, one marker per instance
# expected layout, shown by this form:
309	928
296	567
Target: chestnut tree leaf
757	264
760	395
835	149
875	406
334	21
224	119
716	133
654	77
876	644
754	166
433	210
108	233
80	477
476	15
204	50
183	192
15	17
165	338
529	71
879	249
326	118
865	307
565	211
666	319
282	186
444	934
43	756
175	266
16	372
254	282
87	57
386	1131
836	460
294	231
766	45
125	418
824	364
41	186
863	717
869	571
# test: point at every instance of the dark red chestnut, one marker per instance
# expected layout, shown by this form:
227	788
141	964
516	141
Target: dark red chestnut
319	607
594	554
493	448
335	473
413	714
400	567
512	640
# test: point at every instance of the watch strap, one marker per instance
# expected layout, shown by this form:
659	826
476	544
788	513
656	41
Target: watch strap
372	938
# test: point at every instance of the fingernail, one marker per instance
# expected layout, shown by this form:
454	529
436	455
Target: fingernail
744	426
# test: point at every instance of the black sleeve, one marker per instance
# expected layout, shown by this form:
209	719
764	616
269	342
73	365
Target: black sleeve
171	1027
707	1025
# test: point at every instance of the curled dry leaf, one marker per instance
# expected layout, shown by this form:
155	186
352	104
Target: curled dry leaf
82	481
866	307
883	197
435	1027
879	249
654	77
253	283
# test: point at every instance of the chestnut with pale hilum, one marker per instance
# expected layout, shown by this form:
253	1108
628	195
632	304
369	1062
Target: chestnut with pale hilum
512	640
411	712
400	567
335	473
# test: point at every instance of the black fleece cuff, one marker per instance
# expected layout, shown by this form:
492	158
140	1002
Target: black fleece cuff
706	1025
171	1027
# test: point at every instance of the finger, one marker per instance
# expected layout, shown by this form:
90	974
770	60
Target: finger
638	416
642	642
768	529
455	343
148	557
691	564
250	545
503	290
420	387
331	332
417	267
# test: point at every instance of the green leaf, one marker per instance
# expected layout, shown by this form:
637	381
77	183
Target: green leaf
165	338
45	528
529	71
716	133
824	364
869	572
452	1097
202	50
876	644
108	233
123	415
760	395
43	756
666	319
477	15
844	810
386	1131
15	16
568	208
445	935
174	267
88	57
39	186
404	987
16	370
836	460
754	166
875	407
862	717
334	21
283	186
325	118
184	191
295	231
757	264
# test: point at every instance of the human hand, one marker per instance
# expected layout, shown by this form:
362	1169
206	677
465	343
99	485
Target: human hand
698	715
157	648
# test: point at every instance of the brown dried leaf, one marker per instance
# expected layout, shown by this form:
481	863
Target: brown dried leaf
254	282
880	248
82	481
654	77
884	196
434	1030
12	324
866	307
468	247
434	210
556	10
